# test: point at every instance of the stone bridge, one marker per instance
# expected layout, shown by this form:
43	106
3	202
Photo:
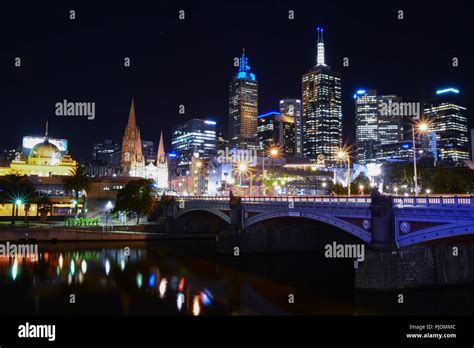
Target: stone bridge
389	221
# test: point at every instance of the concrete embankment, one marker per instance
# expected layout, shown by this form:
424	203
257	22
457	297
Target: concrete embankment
88	235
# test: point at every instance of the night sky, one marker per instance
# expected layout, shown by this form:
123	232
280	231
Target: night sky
190	61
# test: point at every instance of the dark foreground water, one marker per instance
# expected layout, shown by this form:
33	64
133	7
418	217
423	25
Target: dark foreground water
187	278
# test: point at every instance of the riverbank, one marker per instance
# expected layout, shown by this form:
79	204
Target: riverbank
76	234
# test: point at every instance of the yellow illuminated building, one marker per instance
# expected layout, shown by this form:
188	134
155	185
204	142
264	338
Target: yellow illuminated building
44	160
45	167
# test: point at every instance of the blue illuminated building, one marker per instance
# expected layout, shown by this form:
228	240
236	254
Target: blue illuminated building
243	107
195	135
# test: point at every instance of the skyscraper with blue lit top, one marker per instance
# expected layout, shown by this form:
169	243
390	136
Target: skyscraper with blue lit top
243	107
448	119
322	111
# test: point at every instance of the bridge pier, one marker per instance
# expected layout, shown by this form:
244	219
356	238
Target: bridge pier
381	210
421	265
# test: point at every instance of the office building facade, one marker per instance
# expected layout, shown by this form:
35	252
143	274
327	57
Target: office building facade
243	107
448	119
321	110
292	108
194	136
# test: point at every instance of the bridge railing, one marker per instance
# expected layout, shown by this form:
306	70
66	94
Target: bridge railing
309	199
457	201
441	201
202	198
269	199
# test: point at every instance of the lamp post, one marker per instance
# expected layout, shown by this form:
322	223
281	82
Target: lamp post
343	154
242	168
18	202
422	128
273	153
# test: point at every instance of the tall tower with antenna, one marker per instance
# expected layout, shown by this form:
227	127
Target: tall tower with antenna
321	109
243	107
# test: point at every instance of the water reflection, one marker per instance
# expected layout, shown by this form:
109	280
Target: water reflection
179	278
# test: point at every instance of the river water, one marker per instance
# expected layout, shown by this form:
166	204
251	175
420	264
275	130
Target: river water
186	277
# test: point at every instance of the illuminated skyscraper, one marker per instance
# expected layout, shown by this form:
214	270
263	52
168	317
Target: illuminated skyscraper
375	124
292	108
243	107
322	112
277	129
449	121
194	136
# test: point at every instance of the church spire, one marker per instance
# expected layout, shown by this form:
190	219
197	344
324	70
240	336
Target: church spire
161	156
320	54
132	122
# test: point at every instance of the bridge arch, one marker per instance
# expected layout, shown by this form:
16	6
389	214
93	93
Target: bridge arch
345	226
215	212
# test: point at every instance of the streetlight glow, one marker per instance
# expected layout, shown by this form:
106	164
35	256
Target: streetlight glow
423	127
343	154
242	167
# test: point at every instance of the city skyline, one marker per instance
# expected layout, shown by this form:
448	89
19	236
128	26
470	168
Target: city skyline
158	113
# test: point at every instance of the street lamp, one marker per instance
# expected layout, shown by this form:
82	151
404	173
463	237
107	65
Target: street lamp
422	127
273	152
343	154
242	169
361	189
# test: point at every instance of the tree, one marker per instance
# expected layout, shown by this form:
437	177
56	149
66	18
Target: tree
77	182
453	180
360	180
16	189
45	206
338	189
136	197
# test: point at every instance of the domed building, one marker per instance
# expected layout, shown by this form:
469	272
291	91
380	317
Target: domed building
44	153
44	160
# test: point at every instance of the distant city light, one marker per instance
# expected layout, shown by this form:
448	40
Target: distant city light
447	90
406	146
269	113
359	92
